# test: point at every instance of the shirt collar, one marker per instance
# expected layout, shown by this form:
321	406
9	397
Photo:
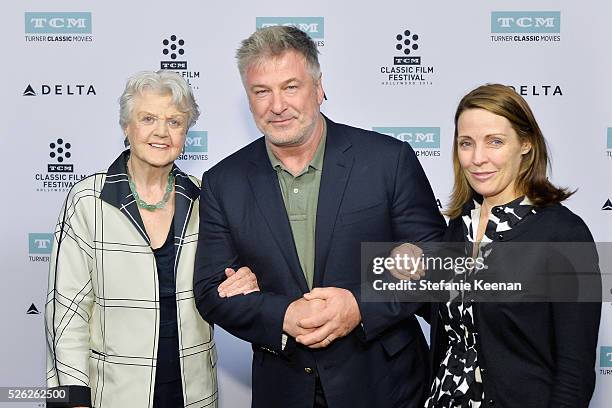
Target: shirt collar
511	213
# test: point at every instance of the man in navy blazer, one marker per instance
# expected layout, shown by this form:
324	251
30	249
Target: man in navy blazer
295	206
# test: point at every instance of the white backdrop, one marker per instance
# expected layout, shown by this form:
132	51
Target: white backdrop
65	63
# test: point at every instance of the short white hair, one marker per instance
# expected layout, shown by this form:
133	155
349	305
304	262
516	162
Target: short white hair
162	82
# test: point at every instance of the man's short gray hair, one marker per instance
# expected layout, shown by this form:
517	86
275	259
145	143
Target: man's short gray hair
272	42
163	83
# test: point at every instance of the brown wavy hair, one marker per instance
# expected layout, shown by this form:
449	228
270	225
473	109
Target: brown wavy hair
531	181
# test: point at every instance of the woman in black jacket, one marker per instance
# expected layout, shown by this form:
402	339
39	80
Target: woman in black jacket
511	354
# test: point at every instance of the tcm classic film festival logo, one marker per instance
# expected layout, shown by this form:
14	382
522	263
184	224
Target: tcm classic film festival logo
424	140
59	175
313	26
39	245
173	58
58	27
526	26
408	67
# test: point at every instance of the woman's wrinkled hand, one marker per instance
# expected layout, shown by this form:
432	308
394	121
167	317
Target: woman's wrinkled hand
240	282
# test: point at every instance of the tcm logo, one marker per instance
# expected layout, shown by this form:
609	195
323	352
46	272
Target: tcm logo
57	22
196	141
406	44
605	356
525	21
174	48
40	243
313	26
417	137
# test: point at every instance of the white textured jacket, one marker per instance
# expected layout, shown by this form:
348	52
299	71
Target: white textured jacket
102	311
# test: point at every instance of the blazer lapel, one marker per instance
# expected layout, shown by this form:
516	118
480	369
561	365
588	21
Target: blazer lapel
116	191
186	192
269	200
337	165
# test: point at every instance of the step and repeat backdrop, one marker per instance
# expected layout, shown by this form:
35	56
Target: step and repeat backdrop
399	67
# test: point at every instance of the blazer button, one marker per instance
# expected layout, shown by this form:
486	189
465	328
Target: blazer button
500	237
308	370
491	403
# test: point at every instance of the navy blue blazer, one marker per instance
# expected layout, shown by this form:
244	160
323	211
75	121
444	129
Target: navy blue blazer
372	189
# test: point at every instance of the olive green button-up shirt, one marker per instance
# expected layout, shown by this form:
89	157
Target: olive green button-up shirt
301	194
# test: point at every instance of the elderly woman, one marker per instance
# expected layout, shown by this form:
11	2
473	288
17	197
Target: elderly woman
509	354
122	326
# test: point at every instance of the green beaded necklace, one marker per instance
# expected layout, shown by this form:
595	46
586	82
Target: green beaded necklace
152	207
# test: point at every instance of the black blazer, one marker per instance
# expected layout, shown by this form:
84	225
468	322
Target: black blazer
533	354
372	189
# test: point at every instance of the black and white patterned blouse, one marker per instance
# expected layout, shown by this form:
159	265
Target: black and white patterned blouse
459	381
